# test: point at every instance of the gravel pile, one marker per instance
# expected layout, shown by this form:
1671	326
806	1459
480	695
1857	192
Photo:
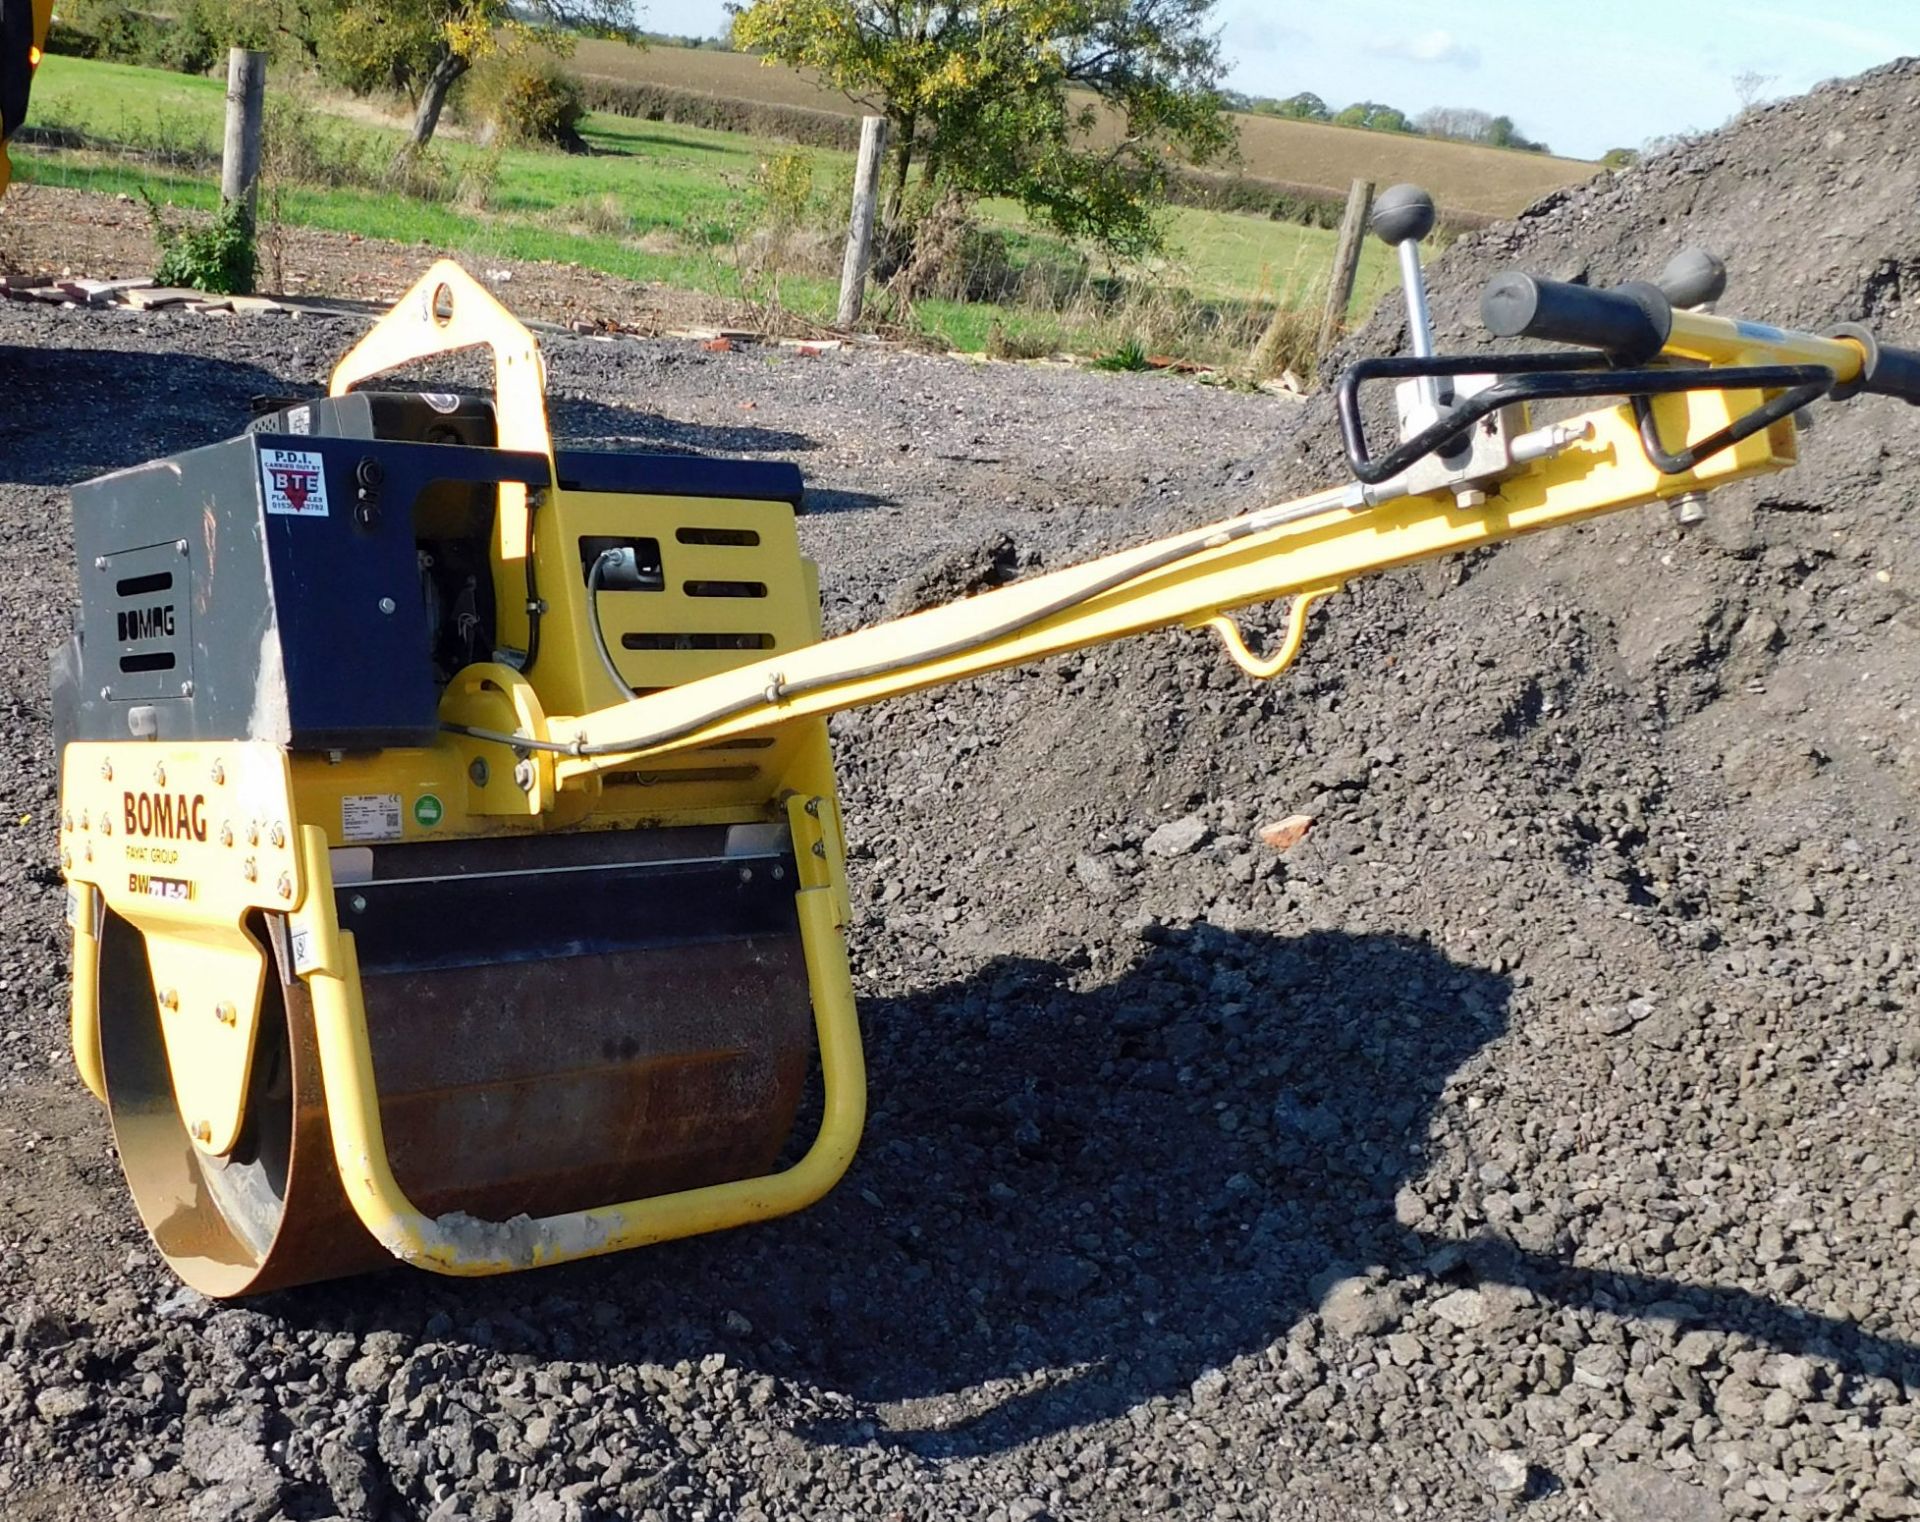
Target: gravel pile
1531	1136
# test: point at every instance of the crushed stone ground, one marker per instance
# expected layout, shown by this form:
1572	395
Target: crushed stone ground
1535	1138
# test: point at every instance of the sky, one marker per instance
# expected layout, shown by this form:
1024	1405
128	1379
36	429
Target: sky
1582	77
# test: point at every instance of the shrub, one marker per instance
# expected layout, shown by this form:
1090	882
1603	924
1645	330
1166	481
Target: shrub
720	113
217	256
185	41
528	98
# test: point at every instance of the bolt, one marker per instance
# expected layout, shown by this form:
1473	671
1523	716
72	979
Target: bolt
66	859
106	824
1469	497
820	849
66	820
284	887
477	771
225	1013
170	998
279	836
1690	509
99	562
180	545
523	776
387	605
219	775
186	689
249	871
358	903
106	694
160	775
226	834
746	874
202	1132
85	820
779	873
813	807
106	771
253	834
89	850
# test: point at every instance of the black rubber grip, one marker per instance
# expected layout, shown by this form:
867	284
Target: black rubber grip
1629	323
1887	372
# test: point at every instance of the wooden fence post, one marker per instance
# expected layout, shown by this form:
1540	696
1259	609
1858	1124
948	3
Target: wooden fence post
240	158
1346	263
866	201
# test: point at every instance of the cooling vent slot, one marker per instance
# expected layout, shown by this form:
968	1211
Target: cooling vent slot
685	641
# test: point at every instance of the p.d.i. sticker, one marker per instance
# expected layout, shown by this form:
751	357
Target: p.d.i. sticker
295	482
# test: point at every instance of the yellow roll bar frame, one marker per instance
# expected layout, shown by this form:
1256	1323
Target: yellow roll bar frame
467	1247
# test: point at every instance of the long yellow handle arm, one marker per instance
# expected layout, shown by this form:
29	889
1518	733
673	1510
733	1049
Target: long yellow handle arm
1184	581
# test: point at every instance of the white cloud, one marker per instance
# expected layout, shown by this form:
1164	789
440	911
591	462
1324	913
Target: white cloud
1430	47
1249	32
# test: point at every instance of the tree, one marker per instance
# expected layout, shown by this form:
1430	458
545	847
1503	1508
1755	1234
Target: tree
423	47
1374	117
1075	108
1304	107
1620	158
1461	123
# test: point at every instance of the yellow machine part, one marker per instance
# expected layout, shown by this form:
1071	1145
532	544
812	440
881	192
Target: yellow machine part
16	80
550	986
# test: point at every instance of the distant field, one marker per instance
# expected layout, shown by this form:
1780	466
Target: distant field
1461	176
653	201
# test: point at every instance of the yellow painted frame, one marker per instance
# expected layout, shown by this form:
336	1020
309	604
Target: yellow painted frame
467	1247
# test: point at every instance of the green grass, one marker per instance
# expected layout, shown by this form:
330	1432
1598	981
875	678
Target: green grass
653	202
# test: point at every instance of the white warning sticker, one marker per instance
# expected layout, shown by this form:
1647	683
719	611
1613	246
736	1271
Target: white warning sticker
370	816
295	481
300	420
304	958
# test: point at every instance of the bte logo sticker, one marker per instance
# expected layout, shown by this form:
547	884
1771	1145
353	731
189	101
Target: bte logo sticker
295	481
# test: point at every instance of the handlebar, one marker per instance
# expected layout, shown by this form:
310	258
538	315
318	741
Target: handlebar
1630	323
1886	371
1635	323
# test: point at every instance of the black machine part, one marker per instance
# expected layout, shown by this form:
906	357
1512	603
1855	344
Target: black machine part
1402	212
1631	322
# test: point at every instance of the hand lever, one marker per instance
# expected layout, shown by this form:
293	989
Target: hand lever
1403	215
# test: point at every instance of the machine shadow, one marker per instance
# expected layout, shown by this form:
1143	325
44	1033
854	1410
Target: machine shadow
1135	1181
1075	1199
51	432
1094	1195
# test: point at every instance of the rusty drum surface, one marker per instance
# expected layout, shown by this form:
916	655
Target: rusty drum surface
556	1024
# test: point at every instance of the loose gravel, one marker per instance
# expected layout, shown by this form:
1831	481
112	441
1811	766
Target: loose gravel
1532	1137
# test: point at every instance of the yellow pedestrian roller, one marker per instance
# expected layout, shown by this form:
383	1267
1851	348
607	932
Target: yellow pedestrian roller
455	867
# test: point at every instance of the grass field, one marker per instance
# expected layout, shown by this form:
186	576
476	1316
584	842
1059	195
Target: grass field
1462	176
651	202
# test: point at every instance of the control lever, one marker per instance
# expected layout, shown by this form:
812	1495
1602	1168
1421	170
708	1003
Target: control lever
1402	217
1693	280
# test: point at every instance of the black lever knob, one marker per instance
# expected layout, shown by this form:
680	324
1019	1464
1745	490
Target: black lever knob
1402	212
1693	278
